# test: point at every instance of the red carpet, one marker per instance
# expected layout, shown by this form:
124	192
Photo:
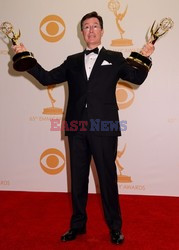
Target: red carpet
31	220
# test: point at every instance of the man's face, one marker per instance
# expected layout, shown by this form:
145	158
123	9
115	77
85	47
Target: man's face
92	32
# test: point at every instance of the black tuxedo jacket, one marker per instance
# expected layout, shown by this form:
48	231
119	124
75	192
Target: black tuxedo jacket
98	92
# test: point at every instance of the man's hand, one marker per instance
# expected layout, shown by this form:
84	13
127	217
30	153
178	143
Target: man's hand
147	49
19	48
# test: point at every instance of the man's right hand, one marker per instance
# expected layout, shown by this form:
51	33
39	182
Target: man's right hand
19	48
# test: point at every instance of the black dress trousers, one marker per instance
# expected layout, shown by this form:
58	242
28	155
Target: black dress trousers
83	145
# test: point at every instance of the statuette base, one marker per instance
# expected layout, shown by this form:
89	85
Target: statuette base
139	61
24	61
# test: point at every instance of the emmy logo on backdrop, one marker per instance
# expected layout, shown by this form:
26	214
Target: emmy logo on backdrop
136	59
22	61
114	6
52	110
121	178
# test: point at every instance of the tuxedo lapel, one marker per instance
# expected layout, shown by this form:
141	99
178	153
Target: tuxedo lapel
82	65
79	66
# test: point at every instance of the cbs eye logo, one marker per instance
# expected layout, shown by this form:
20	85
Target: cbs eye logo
52	28
124	95
52	161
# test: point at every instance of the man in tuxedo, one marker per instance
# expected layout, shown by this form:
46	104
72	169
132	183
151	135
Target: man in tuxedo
92	122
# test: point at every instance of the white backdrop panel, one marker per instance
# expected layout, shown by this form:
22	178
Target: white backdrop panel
147	160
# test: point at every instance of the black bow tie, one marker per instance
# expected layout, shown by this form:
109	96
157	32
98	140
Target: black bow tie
96	50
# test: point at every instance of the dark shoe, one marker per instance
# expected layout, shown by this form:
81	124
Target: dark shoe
72	233
116	237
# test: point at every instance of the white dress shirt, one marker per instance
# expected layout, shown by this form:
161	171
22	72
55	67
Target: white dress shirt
90	60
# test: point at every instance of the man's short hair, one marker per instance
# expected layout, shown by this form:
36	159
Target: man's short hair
91	15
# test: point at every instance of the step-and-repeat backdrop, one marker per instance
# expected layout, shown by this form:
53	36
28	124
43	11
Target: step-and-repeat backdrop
34	153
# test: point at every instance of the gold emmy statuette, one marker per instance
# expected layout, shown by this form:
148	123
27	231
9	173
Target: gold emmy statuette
122	178
22	61
52	110
114	6
157	30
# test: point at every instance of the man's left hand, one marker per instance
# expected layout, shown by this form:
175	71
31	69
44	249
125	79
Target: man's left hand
147	49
